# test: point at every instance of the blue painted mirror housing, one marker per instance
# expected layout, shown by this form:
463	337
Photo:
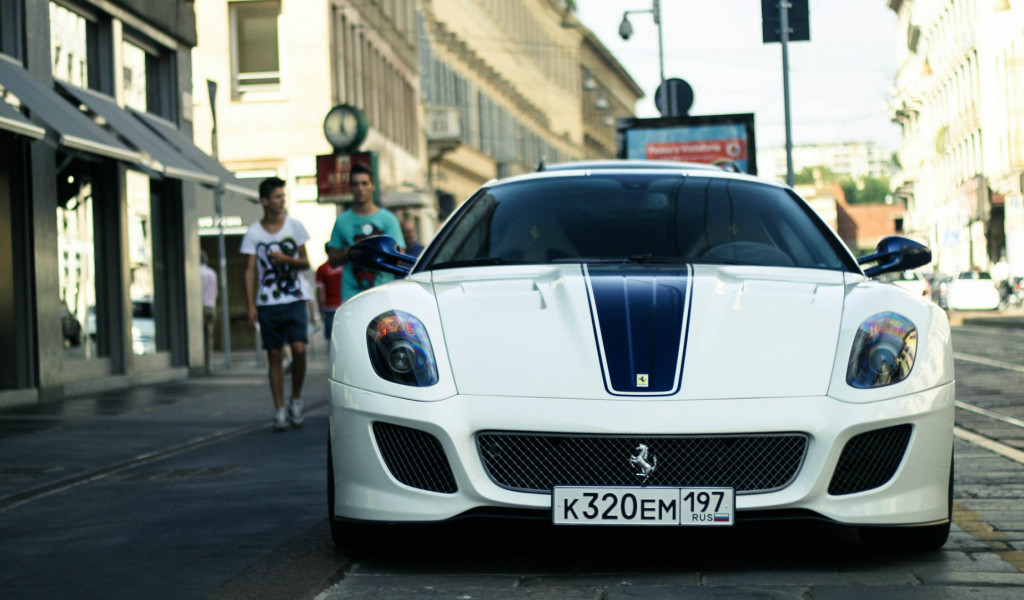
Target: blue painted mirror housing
381	253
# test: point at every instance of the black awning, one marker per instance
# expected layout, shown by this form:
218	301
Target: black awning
169	132
72	129
12	120
157	154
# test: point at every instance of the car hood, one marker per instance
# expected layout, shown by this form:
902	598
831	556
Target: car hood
600	331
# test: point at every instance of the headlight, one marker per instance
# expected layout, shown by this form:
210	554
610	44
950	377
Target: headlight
400	349
883	351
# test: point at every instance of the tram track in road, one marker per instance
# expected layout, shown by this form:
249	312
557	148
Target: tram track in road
988	416
96	474
971	414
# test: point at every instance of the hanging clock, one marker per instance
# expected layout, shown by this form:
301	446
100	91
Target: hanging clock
345	128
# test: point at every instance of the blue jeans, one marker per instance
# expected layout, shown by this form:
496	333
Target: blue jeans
328	314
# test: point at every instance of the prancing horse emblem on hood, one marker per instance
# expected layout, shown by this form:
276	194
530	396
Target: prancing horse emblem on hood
644	468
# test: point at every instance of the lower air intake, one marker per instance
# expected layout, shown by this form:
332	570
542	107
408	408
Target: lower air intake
415	458
869	460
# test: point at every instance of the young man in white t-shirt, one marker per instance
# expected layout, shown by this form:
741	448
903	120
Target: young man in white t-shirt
277	294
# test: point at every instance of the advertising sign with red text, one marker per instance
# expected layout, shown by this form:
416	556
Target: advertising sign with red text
711	139
332	175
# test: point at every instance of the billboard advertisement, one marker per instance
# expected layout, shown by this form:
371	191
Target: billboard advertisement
705	139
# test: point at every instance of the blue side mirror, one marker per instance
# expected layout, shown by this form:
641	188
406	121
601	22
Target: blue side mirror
895	253
380	253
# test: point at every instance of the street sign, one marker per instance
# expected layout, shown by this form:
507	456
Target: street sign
673	98
799	21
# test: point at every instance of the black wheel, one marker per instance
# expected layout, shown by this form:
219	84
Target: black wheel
911	539
346	535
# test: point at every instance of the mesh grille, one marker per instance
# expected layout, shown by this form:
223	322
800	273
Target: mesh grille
869	460
537	462
415	458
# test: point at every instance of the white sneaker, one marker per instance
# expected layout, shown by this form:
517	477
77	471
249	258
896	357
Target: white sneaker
295	412
281	419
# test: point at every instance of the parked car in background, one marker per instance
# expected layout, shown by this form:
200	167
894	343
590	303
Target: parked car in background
914	281
71	327
620	345
940	290
143	326
973	290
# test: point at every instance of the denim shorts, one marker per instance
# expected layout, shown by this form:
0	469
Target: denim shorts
282	324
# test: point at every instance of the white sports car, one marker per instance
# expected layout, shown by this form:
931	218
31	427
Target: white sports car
617	344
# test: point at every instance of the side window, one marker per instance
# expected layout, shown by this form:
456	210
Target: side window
255	47
470	239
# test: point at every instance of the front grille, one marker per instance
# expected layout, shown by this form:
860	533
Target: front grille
869	460
531	462
415	458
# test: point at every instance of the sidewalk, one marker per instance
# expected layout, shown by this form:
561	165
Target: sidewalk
54	445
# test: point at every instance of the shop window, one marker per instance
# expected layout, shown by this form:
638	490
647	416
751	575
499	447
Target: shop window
76	252
255	47
142	283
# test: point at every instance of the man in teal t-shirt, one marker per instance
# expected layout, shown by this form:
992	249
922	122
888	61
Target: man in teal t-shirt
365	219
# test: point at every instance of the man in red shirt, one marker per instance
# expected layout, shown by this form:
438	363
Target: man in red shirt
328	293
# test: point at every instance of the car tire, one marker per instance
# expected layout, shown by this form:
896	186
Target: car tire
911	539
350	536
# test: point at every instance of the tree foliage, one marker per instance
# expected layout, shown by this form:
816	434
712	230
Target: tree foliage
869	190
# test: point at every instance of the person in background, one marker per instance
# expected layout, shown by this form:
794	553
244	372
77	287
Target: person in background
412	246
209	279
277	295
328	292
365	219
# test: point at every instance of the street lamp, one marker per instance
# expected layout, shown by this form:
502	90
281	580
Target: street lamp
626	30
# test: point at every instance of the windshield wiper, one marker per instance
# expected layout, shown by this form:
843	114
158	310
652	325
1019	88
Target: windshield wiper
475	262
652	258
621	260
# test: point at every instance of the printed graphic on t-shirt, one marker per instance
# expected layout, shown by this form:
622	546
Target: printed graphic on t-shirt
365	279
279	280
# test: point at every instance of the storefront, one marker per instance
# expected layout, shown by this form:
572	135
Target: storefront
99	187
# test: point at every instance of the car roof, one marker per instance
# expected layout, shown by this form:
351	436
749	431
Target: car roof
623	166
629	164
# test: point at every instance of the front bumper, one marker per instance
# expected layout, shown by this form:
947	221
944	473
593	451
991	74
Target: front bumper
366	489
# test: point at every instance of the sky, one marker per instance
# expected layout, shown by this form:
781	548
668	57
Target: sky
840	81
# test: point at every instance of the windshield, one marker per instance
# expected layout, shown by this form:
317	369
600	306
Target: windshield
640	217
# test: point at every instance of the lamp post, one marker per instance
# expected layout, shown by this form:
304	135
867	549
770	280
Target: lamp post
626	30
218	199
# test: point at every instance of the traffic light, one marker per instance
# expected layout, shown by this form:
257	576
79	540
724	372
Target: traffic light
799	21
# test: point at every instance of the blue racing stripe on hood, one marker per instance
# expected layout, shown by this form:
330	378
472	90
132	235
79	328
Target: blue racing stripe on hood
640	315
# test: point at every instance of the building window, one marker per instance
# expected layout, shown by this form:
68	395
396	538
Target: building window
74	40
148	78
255	47
134	70
10	28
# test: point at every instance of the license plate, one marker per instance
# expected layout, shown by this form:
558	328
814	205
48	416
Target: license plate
690	506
